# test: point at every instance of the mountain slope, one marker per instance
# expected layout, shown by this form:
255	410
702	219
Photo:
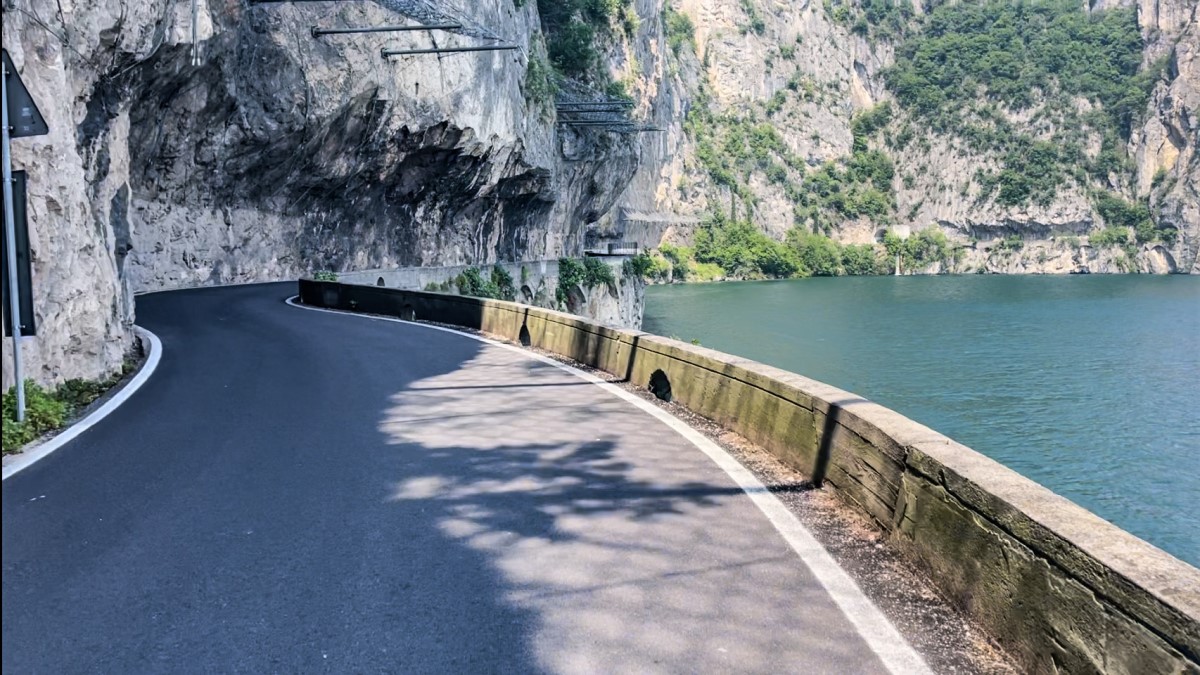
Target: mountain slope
1027	136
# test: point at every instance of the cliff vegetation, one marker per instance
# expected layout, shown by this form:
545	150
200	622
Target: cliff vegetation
1045	121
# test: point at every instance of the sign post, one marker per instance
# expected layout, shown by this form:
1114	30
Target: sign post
20	118
24	272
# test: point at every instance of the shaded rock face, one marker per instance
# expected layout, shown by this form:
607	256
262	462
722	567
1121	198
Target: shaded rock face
280	154
283	154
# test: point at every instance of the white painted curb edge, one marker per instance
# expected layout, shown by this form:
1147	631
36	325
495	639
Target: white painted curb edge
880	635
32	455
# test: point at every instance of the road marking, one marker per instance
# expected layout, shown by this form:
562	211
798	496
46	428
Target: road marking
38	452
880	635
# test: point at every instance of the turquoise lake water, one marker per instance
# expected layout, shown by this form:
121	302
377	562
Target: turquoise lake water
1089	385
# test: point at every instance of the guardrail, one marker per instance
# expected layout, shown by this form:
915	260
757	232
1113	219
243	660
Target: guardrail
613	248
1062	589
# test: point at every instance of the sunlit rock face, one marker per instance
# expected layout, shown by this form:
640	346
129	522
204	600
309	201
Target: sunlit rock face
278	153
1165	148
821	73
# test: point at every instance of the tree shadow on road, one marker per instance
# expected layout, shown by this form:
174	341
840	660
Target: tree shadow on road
621	544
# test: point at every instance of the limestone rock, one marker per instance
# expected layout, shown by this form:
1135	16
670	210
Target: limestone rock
281	153
840	74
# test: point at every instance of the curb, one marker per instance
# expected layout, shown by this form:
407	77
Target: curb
38	452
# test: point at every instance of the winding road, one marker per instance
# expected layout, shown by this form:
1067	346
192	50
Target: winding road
302	491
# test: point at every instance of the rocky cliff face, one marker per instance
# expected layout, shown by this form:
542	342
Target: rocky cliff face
1165	147
796	67
283	153
276	153
239	147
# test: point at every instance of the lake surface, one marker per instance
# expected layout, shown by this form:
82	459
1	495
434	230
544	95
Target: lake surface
1089	385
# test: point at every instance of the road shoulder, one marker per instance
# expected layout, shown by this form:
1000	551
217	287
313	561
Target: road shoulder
97	411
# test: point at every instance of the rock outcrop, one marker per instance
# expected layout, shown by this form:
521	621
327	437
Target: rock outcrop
796	67
276	153
239	147
1165	147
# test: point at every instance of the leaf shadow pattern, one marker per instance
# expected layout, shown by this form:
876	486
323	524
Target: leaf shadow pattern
626	546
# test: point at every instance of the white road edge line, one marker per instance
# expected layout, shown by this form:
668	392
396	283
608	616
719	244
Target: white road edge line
38	452
880	635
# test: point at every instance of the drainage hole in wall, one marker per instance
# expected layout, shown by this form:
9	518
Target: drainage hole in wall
660	386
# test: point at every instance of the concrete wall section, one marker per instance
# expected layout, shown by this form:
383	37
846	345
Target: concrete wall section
1064	590
532	275
535	282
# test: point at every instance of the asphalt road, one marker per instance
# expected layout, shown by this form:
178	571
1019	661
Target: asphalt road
295	491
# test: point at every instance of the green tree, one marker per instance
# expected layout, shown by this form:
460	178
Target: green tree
818	255
972	60
572	49
859	260
680	30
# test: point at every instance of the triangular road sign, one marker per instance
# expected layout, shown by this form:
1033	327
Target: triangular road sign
23	114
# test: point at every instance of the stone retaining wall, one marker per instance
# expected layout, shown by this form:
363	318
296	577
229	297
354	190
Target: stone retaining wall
1062	589
535	282
528	276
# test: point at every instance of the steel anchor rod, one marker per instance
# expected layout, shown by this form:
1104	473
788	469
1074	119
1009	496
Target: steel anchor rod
444	50
318	32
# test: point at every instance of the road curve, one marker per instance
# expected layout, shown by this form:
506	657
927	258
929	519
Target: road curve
297	491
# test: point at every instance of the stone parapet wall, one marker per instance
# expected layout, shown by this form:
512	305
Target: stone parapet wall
535	283
527	276
1062	589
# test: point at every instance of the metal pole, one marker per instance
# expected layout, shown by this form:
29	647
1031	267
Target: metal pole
195	32
443	50
594	109
598	123
10	242
589	104
318	32
611	117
